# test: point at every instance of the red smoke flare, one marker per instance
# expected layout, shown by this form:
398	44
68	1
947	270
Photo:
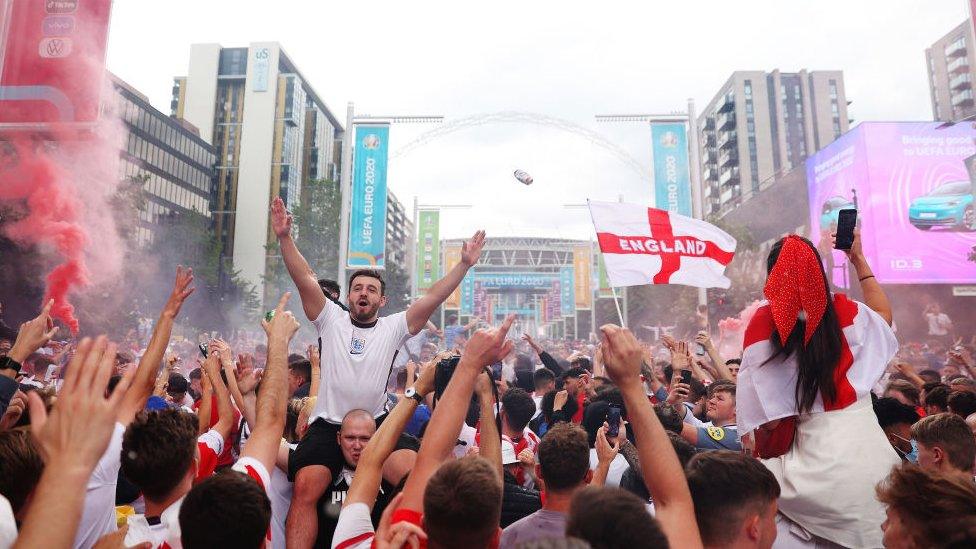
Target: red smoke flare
52	220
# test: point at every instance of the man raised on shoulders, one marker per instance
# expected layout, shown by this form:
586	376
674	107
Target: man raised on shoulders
358	350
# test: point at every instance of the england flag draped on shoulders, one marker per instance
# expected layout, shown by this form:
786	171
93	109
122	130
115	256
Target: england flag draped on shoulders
767	386
642	245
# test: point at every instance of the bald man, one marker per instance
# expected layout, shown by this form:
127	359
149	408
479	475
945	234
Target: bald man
357	428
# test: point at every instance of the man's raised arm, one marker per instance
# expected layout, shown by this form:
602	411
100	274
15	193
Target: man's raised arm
662	471
419	313
145	377
273	397
313	300
485	347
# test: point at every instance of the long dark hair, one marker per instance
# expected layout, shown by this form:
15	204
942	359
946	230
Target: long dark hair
817	360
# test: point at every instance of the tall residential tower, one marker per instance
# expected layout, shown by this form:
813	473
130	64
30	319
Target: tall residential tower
762	124
271	132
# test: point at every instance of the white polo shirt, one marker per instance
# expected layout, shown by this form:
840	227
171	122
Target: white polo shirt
356	362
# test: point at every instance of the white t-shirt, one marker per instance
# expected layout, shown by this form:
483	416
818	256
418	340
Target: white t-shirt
467	436
355	528
8	525
938	324
166	531
617	467
280	496
98	514
355	362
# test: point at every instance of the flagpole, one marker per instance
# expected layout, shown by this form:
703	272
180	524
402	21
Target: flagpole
623	323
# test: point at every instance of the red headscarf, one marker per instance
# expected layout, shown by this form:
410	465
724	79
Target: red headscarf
796	285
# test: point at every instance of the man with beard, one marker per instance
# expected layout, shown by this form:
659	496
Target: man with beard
358	349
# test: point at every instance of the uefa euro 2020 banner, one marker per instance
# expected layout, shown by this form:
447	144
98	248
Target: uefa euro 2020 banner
915	197
367	220
428	248
672	182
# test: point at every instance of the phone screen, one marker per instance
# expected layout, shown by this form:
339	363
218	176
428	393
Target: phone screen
686	377
846	221
613	419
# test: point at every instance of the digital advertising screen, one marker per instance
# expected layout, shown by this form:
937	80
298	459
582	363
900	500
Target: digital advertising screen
915	199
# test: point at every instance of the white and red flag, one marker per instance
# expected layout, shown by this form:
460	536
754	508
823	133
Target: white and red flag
644	245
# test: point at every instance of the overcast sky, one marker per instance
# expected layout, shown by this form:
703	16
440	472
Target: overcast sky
566	60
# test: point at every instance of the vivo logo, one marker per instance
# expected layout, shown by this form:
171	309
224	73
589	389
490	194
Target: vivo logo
58	25
906	264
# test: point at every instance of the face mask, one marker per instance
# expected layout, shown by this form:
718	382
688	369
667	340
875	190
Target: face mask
911	456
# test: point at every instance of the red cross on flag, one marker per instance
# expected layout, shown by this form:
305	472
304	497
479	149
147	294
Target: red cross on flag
644	245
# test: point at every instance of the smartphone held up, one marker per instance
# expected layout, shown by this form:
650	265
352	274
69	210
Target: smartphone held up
846	222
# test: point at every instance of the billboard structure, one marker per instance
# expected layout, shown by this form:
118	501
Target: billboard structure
914	196
428	249
672	180
367	225
52	62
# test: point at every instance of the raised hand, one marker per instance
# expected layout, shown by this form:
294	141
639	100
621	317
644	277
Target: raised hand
622	354
34	334
248	380
181	291
14	410
471	250
81	422
703	339
605	451
855	252
281	218
487	347
283	324
680	356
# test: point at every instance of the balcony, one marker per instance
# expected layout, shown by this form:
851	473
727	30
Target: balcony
727	104
958	66
709	124
708	153
728	156
709	173
708	140
727	139
956	49
962	81
726	121
963	99
729	177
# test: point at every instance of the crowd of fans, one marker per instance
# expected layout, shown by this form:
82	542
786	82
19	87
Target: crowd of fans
392	432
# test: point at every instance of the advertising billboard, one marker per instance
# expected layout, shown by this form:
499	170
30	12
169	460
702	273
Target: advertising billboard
567	299
672	182
452	256
367	220
52	62
582	260
428	248
914	196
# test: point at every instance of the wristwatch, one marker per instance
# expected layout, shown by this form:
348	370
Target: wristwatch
7	363
412	393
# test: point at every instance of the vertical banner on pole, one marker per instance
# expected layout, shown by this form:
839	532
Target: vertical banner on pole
467	296
428	248
672	180
583	275
367	219
605	290
452	256
567	289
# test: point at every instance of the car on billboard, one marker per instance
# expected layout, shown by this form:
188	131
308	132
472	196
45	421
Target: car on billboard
831	210
951	204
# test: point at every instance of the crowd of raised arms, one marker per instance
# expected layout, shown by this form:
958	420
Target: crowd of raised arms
823	430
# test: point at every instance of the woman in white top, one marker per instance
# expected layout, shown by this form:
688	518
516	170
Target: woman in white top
804	402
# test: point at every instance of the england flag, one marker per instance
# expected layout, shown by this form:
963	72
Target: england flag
644	245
